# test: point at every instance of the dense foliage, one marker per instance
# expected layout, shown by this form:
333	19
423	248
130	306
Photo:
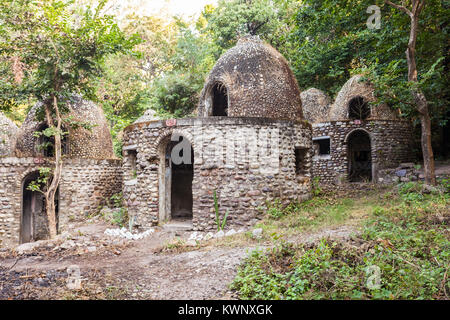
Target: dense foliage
407	244
326	41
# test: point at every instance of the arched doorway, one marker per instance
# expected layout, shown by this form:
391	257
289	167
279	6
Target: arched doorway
176	176
359	156
34	222
219	100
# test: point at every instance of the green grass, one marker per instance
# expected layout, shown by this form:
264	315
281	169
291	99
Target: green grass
320	212
405	244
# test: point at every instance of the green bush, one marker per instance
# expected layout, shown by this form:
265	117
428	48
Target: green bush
405	242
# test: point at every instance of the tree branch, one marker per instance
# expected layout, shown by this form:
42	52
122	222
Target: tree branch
397	6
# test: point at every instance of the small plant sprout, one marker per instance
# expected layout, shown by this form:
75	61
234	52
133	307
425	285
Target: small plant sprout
220	223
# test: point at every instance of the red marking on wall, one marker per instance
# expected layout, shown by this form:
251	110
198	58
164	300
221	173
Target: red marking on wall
171	122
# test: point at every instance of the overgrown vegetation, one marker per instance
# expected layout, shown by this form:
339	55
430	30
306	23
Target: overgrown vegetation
403	252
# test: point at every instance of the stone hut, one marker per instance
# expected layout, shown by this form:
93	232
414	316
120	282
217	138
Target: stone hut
8	136
251	79
249	144
355	140
91	173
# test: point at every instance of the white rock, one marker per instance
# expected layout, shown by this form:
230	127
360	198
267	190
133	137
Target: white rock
209	236
230	233
220	234
68	244
191	243
193	236
257	233
27	247
92	249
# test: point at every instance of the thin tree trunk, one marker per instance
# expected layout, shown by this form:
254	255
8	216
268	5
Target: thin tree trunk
50	194
418	96
422	105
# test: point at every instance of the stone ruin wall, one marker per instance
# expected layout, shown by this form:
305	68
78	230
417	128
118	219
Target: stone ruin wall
241	188
85	187
391	145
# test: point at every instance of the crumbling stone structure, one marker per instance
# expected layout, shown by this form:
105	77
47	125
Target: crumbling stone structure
91	174
249	145
353	139
8	135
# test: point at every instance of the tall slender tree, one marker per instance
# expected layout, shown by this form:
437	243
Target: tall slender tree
60	49
421	103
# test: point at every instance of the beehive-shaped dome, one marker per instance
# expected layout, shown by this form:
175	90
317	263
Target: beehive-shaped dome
8	136
251	79
94	142
353	102
316	105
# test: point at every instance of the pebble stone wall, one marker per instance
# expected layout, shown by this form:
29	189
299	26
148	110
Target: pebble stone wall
85	186
391	144
242	187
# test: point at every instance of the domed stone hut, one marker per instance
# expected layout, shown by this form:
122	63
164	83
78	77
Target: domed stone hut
8	136
316	105
354	102
355	140
251	79
249	144
93	142
91	173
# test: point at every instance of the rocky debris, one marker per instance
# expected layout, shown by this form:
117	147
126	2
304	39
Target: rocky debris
28	247
257	233
123	233
197	236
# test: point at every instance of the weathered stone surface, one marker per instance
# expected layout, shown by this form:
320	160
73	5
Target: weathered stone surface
258	81
85	187
241	188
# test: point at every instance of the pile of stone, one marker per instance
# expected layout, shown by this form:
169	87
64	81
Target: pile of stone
125	234
406	172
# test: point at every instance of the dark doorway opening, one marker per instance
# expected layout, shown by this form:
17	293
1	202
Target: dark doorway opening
220	100
360	157
180	176
300	161
358	109
34	222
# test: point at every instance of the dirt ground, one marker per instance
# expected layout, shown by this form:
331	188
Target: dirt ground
123	269
160	266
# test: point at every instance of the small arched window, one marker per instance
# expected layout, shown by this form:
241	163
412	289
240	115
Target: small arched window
358	109
46	145
219	100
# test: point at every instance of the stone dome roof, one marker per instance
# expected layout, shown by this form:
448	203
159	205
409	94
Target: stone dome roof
8	135
316	105
357	89
94	143
149	115
252	79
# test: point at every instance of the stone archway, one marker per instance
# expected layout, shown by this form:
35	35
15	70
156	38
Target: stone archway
34	222
359	153
176	174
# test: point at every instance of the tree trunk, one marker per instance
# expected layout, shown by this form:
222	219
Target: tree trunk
418	96
50	194
421	104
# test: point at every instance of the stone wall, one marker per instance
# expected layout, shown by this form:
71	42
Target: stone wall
243	180
85	186
391	144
